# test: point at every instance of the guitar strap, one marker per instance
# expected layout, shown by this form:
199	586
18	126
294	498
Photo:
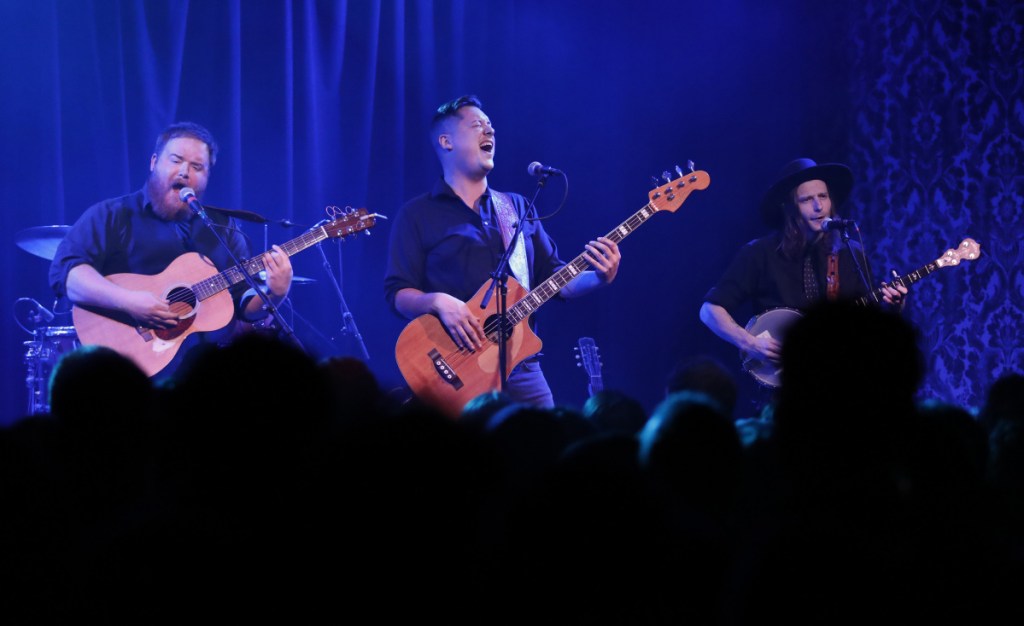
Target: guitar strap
507	218
832	276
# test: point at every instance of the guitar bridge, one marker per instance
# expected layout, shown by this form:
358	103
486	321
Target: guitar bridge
444	370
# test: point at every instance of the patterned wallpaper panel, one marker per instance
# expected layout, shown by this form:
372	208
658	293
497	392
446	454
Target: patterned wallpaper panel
938	146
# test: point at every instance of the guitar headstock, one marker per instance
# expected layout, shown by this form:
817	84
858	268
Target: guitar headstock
671	194
350	222
587	356
968	250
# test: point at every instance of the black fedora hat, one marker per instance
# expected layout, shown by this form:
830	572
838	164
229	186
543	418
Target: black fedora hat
837	176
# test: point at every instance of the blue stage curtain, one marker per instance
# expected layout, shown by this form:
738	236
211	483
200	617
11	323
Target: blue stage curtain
319	103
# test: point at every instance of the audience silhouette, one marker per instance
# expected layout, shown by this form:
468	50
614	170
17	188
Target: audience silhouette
260	484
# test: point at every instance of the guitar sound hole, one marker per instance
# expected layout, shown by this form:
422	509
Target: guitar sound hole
493	326
183	301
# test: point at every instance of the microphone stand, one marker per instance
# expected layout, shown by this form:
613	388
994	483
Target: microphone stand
845	235
197	208
259	219
499	278
348	321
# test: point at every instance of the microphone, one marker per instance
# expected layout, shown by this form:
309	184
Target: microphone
44	313
828	224
188	196
536	169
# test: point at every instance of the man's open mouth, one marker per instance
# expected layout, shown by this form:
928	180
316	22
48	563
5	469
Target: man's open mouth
487	147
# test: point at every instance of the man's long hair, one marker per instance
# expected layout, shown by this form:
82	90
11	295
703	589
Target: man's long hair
794	242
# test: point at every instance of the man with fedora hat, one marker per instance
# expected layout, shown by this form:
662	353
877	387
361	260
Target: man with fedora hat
799	263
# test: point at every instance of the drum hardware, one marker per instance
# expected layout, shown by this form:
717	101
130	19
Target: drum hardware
42	241
49	342
42	353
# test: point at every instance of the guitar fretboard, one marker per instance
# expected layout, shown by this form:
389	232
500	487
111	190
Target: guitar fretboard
221	281
547	289
911	278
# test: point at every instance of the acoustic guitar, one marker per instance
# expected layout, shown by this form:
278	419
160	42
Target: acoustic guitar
197	292
589	358
775	322
441	374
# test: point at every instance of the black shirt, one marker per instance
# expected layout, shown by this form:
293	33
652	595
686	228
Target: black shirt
124	235
761	276
438	244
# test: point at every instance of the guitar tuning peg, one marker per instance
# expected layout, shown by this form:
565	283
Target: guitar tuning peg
666	176
655	181
689	164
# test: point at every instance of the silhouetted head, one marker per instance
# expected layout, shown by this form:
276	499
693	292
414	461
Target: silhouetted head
479	411
615	412
706	375
254	380
357	394
96	382
690	446
1005	401
845	360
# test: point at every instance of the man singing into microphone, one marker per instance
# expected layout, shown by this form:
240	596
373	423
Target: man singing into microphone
445	243
791	267
143	232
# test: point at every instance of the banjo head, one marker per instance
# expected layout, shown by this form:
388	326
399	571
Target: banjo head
772	323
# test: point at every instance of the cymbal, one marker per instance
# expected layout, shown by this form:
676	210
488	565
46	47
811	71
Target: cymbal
41	241
302	280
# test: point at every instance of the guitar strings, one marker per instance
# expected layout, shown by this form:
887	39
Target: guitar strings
254	265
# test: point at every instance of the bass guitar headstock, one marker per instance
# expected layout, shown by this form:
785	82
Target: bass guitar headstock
670	194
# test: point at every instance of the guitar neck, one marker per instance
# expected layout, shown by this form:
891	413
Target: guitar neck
911	278
596	384
547	289
219	282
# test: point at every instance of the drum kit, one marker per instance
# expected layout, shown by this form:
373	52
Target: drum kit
50	342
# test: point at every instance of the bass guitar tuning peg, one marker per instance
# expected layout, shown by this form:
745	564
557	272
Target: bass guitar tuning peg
689	164
666	176
654	180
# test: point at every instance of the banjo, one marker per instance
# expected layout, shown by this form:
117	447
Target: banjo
775	322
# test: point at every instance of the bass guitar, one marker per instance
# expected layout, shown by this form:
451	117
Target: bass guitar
442	375
776	322
197	293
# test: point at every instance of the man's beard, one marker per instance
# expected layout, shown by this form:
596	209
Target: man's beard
170	210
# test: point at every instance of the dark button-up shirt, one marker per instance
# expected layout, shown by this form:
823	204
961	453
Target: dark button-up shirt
761	276
124	235
438	244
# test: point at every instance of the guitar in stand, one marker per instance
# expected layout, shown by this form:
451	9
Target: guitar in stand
588	357
197	293
775	322
442	375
